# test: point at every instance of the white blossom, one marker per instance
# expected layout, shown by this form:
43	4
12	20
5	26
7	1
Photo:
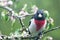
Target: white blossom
3	2
51	20
23	13
24	34
34	9
24	7
10	2
49	38
45	11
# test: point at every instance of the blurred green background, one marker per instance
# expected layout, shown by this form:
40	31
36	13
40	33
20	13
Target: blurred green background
53	6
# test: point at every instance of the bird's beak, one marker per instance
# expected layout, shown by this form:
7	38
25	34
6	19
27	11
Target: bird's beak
39	15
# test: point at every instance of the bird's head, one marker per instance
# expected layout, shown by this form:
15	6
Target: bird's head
39	15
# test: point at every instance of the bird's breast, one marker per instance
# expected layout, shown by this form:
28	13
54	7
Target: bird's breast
39	24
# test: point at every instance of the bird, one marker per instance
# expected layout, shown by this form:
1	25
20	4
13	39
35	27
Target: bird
37	23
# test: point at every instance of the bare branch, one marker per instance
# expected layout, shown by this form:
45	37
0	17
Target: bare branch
51	30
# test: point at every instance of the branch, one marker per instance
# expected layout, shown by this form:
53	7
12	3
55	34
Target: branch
31	37
7	8
51	30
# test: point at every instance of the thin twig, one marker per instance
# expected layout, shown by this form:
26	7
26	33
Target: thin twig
51	30
7	8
